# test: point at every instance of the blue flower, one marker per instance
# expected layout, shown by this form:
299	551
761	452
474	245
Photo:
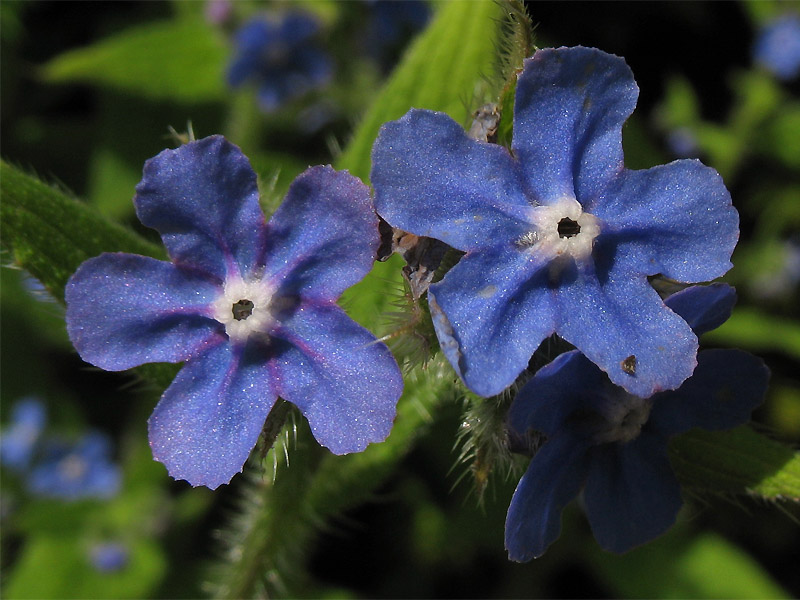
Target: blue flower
280	57
559	236
19	440
391	23
249	306
683	142
73	471
613	445
109	557
777	47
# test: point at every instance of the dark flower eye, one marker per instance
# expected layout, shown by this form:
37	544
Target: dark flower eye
568	228
242	309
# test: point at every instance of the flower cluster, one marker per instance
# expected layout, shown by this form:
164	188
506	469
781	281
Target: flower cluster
558	236
249	306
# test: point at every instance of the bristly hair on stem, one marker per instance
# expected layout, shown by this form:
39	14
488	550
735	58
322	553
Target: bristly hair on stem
483	439
516	45
262	547
409	330
516	40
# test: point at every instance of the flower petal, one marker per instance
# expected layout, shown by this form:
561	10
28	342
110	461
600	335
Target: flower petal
568	384
623	317
209	419
343	380
704	307
19	439
554	477
251	39
726	387
203	199
631	494
568	114
432	180
124	310
674	219
491	311
297	27
324	237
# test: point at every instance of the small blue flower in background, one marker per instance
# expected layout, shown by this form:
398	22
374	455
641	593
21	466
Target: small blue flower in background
109	557
391	22
613	445
20	438
279	55
780	281
683	143
559	236
249	306
777	47
77	470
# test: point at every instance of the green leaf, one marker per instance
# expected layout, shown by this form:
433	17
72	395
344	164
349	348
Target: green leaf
783	135
675	566
754	330
180	61
442	71
59	567
739	461
50	233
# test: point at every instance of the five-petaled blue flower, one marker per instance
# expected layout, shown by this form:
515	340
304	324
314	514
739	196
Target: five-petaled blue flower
279	55
777	47
250	306
76	470
559	236
613	445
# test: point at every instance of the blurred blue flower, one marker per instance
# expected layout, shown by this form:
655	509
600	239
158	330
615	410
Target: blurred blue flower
559	236
19	439
109	557
683	143
782	280
249	306
613	445
73	471
279	55
777	47
391	23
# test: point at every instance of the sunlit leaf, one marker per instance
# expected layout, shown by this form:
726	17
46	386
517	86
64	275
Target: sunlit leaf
180	61
676	566
739	461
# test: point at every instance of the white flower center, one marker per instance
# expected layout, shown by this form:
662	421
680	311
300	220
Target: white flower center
243	307
561	229
73	467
